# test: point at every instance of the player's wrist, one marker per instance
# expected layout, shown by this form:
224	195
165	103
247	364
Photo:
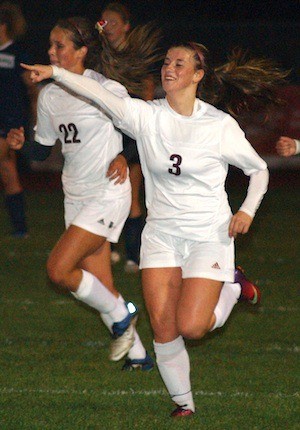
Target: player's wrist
297	149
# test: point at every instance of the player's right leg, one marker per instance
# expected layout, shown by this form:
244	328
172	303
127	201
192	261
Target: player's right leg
64	269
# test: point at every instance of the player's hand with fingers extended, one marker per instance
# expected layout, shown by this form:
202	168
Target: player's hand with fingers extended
118	170
286	146
15	138
239	224
39	72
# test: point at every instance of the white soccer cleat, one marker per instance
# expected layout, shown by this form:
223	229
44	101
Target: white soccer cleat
123	333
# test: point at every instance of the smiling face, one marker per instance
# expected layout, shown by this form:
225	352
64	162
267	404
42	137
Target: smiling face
179	72
116	28
62	52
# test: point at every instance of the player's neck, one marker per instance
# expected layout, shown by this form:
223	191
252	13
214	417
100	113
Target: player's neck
181	105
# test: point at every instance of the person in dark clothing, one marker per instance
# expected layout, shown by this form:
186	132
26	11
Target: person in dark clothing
18	98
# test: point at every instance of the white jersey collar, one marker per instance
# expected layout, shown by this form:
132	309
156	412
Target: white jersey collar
199	109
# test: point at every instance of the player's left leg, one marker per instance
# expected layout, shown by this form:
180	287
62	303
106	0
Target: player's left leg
14	195
99	264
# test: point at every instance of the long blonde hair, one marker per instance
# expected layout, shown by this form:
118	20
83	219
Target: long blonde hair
241	84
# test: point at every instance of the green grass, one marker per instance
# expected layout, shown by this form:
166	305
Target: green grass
55	372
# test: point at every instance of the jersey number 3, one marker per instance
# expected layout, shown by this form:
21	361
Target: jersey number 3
175	170
70	133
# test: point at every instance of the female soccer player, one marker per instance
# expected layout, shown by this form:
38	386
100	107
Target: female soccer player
95	207
185	146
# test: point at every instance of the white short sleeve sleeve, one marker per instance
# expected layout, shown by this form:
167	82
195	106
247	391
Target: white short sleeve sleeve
44	131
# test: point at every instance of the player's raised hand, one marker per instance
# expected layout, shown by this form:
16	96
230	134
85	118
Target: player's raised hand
239	224
39	72
15	138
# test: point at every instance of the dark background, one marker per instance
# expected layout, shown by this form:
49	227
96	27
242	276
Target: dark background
268	28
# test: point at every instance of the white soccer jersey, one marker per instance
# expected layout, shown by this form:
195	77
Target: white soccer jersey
89	139
184	160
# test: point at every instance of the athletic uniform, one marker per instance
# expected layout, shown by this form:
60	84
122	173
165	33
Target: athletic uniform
185	162
89	143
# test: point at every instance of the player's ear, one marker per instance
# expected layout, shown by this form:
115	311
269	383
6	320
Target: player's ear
198	76
83	51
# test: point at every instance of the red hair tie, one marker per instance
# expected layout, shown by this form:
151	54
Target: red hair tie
100	25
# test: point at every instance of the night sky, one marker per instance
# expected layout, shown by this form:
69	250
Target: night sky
269	28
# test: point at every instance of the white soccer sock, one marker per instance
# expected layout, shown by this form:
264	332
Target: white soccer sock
92	292
137	351
228	298
174	367
109	319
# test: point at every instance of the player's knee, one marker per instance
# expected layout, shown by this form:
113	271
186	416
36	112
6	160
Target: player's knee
56	273
161	327
192	331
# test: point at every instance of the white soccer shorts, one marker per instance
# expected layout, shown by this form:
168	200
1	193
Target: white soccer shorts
105	217
210	260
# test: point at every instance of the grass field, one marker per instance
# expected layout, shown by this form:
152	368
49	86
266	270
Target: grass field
55	372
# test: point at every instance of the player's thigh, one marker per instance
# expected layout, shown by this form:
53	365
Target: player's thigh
74	245
198	299
9	174
161	290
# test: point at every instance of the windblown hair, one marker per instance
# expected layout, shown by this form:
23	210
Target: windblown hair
136	61
130	66
11	15
241	84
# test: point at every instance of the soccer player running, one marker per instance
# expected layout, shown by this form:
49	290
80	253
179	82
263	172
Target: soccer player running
96	206
185	146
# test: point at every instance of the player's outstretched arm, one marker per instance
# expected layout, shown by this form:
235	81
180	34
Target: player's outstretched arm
39	72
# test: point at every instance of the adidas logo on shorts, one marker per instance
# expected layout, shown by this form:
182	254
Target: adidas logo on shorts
216	266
